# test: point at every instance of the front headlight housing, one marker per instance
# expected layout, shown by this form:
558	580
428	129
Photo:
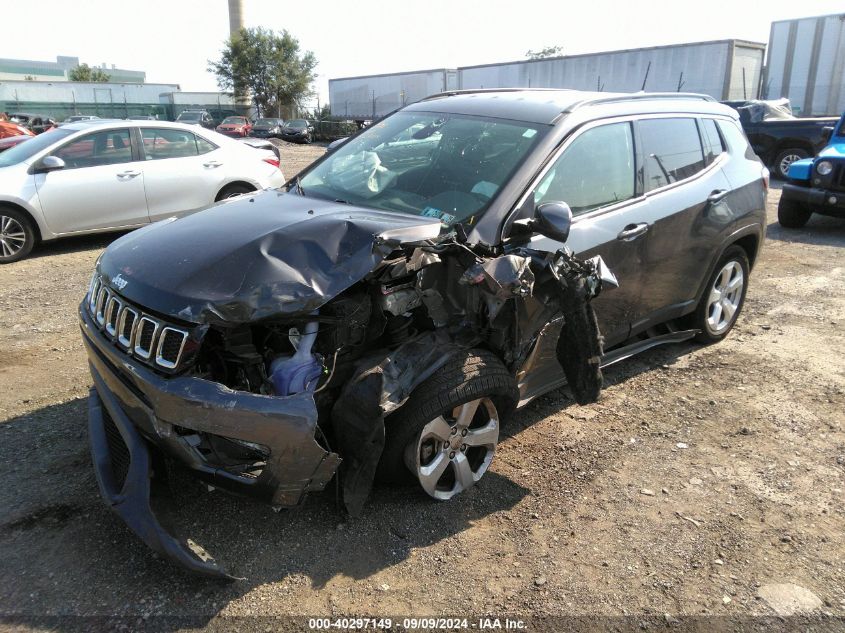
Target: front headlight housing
824	167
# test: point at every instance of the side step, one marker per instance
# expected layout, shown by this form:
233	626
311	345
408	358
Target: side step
638	347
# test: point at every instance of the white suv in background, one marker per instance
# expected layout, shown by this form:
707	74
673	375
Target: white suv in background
114	175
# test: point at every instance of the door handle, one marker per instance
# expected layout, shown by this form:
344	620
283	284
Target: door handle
212	163
632	231
717	196
129	173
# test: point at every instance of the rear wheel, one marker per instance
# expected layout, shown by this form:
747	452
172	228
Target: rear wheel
233	190
17	235
792	215
445	436
723	298
785	158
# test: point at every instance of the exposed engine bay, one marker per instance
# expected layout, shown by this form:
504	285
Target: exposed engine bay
363	352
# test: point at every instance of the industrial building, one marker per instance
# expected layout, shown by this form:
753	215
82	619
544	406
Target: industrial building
807	64
109	100
723	69
27	69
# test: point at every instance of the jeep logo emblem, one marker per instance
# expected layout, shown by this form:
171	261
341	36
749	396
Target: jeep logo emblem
119	282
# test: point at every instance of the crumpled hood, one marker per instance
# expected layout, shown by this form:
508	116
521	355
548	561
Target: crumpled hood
255	257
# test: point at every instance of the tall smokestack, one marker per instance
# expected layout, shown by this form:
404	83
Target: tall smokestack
236	16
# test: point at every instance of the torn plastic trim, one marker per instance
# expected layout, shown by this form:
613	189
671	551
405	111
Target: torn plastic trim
132	501
379	387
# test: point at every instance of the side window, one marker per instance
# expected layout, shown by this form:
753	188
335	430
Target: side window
713	147
110	147
596	170
204	147
672	151
164	143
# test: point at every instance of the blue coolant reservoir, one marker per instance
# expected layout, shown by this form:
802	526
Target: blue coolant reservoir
299	372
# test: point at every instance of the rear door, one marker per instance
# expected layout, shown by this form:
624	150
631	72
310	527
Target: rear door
686	192
182	171
101	185
596	176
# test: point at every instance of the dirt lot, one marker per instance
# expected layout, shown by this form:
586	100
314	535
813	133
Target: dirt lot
702	476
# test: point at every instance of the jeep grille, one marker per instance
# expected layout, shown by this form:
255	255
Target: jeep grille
146	337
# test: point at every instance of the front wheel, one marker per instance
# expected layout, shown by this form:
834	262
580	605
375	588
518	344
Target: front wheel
723	297
445	436
792	215
17	235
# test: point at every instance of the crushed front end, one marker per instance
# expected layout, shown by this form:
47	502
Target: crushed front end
150	395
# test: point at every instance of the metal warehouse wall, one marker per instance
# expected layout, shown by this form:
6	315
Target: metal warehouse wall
73	91
807	64
713	68
376	95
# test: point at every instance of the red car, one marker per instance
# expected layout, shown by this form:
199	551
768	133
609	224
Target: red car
8	128
238	126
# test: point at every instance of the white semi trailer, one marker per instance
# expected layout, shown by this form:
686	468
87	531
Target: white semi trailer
807	64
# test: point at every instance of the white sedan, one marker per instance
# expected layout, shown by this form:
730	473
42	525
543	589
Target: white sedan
114	175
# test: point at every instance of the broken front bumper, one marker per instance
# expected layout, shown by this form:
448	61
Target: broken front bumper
133	408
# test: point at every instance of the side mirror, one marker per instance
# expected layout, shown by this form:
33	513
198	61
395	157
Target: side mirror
48	163
553	220
827	132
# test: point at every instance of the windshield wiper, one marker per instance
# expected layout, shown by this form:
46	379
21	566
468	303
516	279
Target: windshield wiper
297	183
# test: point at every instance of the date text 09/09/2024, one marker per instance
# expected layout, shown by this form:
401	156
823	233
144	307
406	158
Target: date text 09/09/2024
411	624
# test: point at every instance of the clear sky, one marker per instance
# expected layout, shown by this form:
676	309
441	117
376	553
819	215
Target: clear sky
173	39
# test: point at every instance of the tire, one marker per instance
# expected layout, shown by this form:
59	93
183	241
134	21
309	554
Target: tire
474	376
17	235
707	317
785	158
792	215
233	190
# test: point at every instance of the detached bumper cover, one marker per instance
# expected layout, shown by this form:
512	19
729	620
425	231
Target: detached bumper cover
821	200
146	408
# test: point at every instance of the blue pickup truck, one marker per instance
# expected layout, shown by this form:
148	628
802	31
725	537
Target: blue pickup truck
816	185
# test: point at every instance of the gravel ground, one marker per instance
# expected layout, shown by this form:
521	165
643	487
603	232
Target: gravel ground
703	480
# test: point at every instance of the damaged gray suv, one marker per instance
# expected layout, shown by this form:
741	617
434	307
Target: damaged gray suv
378	317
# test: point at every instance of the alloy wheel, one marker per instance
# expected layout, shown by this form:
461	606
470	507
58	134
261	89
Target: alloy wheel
454	450
786	161
12	236
725	297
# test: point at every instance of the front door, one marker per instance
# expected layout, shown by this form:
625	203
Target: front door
596	176
101	185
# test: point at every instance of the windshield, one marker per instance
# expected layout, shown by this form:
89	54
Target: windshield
298	123
189	116
234	120
443	166
29	148
270	122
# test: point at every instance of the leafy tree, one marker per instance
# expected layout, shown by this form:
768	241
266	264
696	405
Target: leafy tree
549	51
267	64
84	72
29	77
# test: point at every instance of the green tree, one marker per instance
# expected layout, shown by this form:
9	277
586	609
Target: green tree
267	64
549	51
84	72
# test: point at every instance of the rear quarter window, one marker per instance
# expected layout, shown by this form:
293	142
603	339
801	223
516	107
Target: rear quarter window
735	137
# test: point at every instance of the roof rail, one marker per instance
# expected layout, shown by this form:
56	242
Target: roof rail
469	91
638	95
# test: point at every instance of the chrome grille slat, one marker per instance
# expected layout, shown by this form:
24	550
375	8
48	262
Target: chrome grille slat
122	323
111	314
164	340
146	337
141	349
